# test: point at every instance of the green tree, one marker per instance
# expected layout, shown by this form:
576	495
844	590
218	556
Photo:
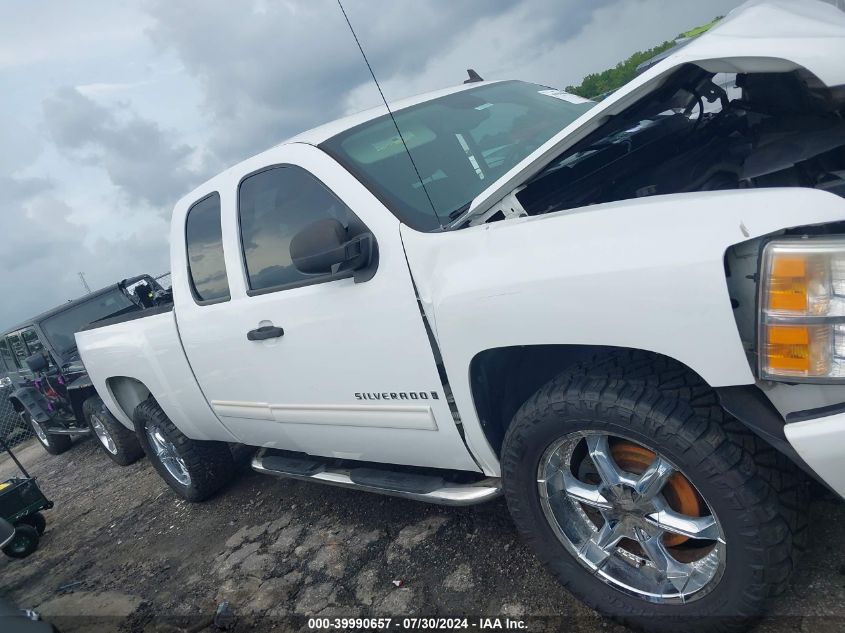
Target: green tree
597	84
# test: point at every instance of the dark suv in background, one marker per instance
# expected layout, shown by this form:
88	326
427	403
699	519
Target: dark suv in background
45	382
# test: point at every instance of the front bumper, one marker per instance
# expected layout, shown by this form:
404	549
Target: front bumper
821	443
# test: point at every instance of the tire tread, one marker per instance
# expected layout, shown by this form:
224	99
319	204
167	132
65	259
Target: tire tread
209	463
128	448
670	400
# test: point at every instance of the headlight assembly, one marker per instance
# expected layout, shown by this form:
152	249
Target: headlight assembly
802	310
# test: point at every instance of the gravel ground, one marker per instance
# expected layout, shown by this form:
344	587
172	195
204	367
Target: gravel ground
123	553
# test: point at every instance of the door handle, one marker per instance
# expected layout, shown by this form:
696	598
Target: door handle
264	332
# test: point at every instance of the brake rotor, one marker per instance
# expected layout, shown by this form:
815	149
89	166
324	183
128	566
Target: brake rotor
678	491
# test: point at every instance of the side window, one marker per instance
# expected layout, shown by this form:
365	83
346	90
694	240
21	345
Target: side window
7	356
273	206
204	243
31	340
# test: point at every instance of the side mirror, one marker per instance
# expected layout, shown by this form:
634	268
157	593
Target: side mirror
37	362
321	245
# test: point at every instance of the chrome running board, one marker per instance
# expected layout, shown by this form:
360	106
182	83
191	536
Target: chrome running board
85	430
420	487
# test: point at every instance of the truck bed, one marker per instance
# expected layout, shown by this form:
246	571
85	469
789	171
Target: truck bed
129	316
145	347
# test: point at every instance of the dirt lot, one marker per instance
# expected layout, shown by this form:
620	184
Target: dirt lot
123	553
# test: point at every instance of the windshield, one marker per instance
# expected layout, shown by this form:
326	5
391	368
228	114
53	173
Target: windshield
460	144
60	328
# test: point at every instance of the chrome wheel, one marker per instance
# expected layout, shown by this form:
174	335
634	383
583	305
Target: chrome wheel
39	430
103	434
168	456
631	517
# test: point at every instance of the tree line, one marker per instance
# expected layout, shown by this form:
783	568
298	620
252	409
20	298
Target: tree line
597	84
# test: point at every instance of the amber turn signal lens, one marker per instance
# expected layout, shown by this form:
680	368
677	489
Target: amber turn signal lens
798	350
788	284
797	283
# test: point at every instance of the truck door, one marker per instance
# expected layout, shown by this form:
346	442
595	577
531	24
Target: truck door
348	370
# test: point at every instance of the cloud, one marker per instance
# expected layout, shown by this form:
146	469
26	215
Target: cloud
55	32
100	89
145	161
44	249
270	70
554	42
35	230
168	93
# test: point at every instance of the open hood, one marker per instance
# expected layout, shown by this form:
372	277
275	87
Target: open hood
772	36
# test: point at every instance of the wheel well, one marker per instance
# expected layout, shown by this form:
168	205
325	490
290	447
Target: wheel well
128	393
503	378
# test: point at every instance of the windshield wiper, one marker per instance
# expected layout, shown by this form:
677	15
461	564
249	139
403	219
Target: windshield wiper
454	215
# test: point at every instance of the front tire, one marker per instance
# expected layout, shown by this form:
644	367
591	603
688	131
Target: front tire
52	443
604	423
23	543
194	469
118	442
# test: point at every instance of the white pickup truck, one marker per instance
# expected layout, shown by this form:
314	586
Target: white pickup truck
628	317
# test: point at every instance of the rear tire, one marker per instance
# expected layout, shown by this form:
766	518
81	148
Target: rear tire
23	543
36	520
52	443
194	469
118	442
763	519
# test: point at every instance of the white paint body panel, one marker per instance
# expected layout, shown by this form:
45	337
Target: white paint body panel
644	274
148	350
821	443
341	338
363	416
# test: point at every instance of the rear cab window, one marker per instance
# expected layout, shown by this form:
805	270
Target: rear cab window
204	246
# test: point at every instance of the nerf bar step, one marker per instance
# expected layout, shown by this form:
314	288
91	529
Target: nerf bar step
396	483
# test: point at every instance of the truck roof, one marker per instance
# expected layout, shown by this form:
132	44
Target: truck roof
321	133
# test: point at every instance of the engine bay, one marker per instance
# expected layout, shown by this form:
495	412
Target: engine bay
702	131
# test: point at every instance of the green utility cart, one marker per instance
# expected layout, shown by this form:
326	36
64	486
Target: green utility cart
21	503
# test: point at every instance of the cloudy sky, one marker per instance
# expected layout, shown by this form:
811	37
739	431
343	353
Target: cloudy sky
113	109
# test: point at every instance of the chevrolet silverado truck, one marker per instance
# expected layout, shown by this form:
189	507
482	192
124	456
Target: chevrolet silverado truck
627	317
45	381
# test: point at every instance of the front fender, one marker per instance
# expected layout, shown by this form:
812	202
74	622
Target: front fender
33	402
643	274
